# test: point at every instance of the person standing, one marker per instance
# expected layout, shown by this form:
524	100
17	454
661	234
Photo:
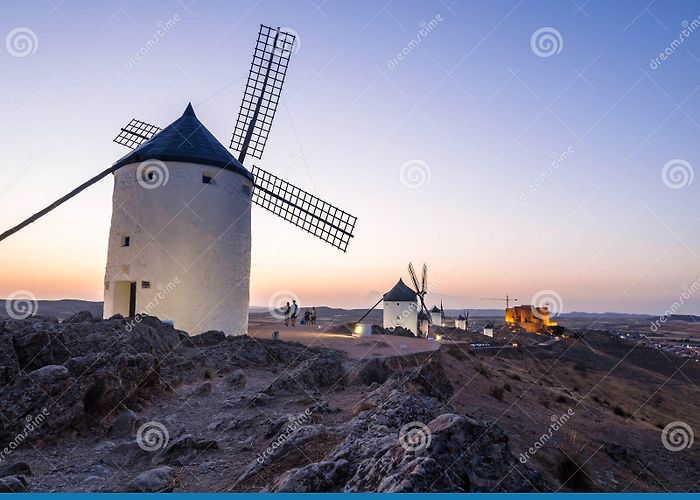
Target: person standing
313	315
295	312
287	314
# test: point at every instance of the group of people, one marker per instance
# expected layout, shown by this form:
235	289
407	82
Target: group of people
291	314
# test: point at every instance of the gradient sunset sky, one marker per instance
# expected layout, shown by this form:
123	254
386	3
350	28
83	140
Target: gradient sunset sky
444	155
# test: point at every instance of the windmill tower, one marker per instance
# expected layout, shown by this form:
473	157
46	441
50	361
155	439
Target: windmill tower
180	238
461	322
196	197
423	323
436	316
400	308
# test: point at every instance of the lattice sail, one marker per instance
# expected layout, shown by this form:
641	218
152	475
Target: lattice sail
136	133
303	209
262	91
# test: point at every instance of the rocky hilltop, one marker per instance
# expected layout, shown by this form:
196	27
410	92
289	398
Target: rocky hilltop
124	405
127	405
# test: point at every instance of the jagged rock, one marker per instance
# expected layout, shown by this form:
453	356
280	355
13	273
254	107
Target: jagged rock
211	337
13	484
16	469
203	390
103	446
91	481
317	477
260	399
236	379
183	450
124	425
115	380
324	407
124	454
274	426
80	317
9	365
155	480
430	380
48	398
455	453
297	438
315	373
375	370
247	444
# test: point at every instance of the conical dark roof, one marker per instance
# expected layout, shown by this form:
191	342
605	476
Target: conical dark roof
186	140
400	293
435	309
461	318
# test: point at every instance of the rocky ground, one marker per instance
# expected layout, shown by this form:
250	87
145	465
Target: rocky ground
112	405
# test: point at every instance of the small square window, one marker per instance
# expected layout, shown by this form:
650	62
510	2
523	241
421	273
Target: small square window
207	179
126	241
106	285
145	284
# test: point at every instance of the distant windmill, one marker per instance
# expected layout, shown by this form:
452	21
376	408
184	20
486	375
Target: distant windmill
421	289
401	308
181	208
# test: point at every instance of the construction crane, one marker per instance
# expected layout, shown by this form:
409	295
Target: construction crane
507	298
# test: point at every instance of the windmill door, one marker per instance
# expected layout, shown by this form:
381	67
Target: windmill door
132	299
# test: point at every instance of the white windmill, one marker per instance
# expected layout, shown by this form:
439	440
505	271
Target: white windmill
180	238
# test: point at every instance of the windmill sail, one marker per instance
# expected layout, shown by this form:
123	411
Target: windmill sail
58	202
284	199
136	133
262	91
304	210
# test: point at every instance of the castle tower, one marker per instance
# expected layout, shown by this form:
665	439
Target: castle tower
180	240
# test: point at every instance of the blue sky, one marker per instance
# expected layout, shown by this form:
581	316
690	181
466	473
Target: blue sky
472	106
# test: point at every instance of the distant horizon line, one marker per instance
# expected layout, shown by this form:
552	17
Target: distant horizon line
447	309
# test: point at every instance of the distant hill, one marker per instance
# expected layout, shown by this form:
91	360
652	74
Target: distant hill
690	318
65	307
61	309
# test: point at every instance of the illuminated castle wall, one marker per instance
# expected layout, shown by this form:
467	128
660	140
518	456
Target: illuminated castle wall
529	318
